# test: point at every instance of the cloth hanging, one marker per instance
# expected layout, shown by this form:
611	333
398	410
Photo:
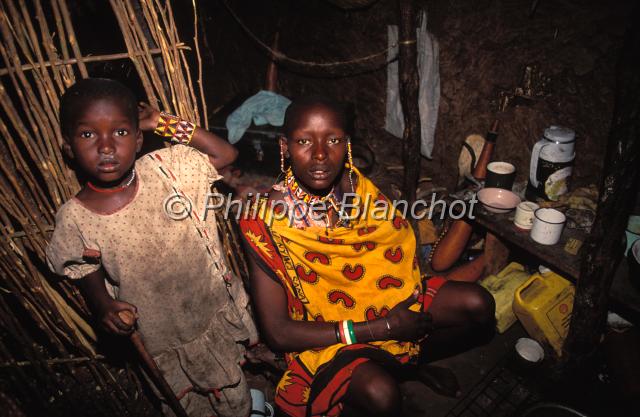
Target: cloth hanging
429	85
265	107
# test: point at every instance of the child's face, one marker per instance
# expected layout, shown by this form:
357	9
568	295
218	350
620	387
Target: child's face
104	142
317	146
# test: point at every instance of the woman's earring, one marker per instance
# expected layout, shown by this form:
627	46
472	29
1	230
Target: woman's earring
282	159
350	161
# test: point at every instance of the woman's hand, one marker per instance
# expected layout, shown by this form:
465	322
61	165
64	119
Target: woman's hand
109	314
407	325
147	117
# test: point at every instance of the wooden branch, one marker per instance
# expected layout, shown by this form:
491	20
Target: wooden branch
408	75
603	249
55	361
71	37
90	58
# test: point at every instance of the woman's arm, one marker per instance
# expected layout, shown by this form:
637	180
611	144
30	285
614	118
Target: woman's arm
103	307
221	153
285	334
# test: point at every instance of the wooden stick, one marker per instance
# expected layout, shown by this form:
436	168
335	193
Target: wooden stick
151	367
55	361
619	184
408	76
91	58
71	37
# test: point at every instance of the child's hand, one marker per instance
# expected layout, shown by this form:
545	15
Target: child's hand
147	116
112	314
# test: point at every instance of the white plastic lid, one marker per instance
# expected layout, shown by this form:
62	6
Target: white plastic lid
559	134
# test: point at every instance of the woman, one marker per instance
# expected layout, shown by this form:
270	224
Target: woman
344	297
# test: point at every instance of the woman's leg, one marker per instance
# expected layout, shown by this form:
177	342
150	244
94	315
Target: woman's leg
463	317
373	391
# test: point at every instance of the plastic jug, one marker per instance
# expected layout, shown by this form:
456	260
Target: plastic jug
551	164
543	304
502	287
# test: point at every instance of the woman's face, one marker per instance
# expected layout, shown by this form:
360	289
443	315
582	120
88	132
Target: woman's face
317	147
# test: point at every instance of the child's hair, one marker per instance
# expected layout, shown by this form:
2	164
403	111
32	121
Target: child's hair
81	94
300	106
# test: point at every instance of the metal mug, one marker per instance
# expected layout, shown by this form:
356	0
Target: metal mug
525	214
500	175
547	226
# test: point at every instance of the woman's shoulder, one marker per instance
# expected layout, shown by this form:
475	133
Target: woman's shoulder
276	194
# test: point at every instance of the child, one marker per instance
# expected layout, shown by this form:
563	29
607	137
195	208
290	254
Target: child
121	239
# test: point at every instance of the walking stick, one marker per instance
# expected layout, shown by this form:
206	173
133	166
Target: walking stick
151	367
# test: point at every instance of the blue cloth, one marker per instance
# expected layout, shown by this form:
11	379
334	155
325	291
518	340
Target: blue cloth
266	107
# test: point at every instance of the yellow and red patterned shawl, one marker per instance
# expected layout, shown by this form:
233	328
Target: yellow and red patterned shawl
358	272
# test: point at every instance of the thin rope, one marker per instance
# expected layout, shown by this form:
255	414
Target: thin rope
280	57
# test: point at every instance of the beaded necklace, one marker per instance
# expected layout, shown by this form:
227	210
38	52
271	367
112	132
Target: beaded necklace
115	189
295	192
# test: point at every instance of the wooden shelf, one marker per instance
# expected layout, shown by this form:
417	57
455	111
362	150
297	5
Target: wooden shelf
552	256
624	297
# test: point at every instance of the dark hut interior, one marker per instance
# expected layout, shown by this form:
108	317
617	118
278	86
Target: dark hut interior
495	76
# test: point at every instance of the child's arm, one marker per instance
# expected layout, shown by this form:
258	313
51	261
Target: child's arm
103	306
221	153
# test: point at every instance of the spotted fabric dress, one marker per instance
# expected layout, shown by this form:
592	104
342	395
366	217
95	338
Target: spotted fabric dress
194	317
359	272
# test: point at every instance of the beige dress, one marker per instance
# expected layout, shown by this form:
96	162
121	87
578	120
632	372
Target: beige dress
189	322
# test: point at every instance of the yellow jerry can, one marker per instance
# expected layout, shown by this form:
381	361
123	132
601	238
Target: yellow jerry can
543	304
502	287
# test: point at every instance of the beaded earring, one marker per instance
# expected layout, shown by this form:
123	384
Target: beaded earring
282	159
350	162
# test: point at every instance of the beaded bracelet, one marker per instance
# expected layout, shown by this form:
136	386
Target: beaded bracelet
352	332
343	339
345	332
174	128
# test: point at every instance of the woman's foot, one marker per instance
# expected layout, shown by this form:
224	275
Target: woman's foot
441	380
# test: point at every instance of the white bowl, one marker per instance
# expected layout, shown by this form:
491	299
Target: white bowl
498	200
529	350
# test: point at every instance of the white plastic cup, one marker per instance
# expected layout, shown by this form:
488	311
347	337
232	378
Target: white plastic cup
525	214
547	226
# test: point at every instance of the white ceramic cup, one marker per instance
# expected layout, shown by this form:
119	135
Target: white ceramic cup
547	226
524	215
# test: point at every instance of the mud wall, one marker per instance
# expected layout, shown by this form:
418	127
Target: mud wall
485	46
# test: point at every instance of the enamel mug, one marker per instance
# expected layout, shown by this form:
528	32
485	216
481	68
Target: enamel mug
547	226
525	214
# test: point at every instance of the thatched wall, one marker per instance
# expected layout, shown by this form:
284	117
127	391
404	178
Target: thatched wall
485	46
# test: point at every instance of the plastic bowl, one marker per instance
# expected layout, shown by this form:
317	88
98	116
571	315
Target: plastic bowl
498	200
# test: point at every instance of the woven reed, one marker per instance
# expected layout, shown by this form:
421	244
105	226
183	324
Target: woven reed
44	321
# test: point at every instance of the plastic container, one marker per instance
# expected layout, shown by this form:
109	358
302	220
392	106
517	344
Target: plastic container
502	287
543	304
